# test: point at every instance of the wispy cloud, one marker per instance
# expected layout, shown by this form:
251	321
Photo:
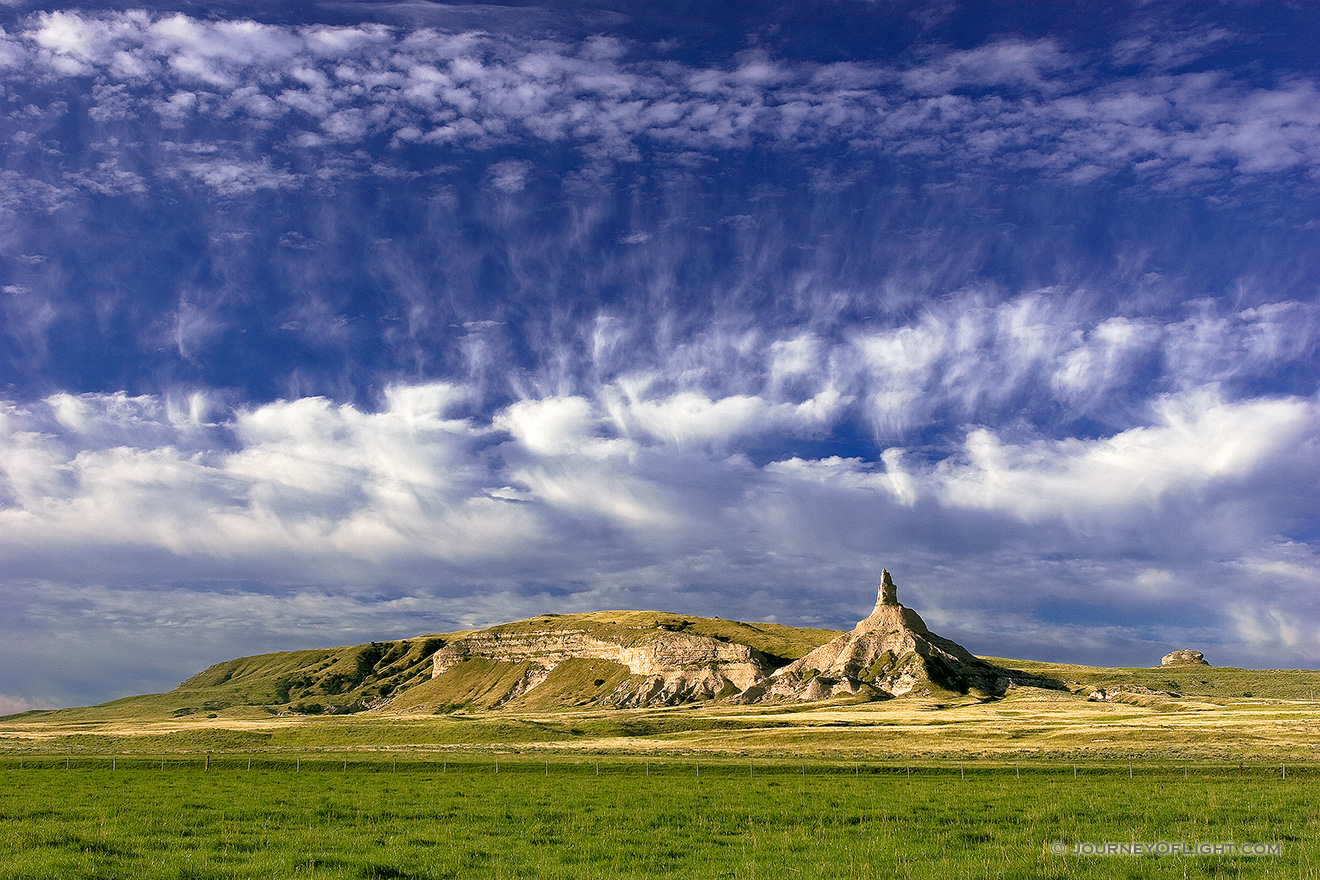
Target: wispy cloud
1014	103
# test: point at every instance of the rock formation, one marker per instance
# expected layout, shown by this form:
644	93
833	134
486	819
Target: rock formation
1183	656
630	659
1116	693
889	653
664	667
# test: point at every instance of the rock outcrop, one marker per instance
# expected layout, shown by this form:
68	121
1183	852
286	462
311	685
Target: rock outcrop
1117	693
664	667
1183	657
888	654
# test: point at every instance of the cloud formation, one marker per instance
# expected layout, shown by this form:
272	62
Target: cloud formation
381	318
1013	104
624	493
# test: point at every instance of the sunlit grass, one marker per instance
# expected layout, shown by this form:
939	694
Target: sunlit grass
1027	725
320	817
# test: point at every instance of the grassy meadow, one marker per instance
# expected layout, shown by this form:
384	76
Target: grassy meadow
382	817
357	763
1027	724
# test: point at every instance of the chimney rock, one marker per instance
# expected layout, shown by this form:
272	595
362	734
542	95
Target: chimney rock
888	593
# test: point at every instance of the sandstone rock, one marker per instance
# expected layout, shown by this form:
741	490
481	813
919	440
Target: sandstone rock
889	653
666	667
1183	656
1115	693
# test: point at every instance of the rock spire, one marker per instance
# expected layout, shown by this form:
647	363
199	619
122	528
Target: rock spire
889	653
887	592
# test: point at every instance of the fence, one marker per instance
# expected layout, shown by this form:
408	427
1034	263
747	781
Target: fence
703	768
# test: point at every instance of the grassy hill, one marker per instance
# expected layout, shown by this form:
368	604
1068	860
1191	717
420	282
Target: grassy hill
1184	680
312	682
397	674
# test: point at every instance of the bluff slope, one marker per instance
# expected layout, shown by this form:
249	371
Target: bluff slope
616	658
609	658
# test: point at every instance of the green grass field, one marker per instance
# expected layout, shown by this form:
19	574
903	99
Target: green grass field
296	765
385	818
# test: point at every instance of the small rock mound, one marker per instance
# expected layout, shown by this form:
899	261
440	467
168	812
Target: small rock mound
1183	657
1116	693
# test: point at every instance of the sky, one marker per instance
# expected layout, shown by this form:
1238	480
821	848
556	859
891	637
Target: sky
328	322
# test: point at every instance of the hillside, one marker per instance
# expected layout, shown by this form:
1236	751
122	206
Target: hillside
1139	685
396	676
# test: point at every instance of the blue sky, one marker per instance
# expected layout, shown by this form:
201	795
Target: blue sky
326	322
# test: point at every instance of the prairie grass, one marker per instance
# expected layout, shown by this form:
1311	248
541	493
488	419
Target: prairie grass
343	817
1027	725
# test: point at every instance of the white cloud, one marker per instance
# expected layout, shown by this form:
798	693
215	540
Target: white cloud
12	51
309	477
688	418
1012	103
13	705
553	425
510	176
613	496
1196	441
73	44
967	358
1006	62
233	177
1105	358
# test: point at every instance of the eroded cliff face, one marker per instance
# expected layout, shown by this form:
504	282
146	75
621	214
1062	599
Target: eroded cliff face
664	667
